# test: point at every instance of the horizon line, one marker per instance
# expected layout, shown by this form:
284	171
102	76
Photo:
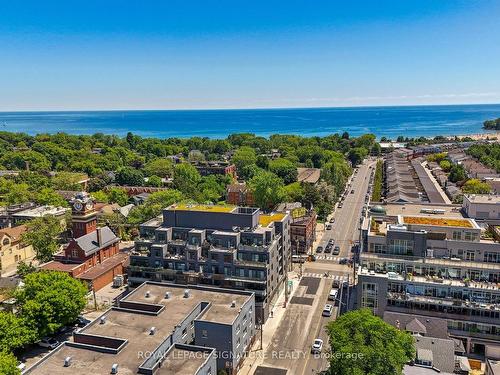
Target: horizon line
242	108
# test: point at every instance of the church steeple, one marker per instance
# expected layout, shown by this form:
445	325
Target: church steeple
83	214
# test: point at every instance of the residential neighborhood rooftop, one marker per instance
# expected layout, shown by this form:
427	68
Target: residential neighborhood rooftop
437	221
201	207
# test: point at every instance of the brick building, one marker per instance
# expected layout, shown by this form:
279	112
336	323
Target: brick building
93	253
239	194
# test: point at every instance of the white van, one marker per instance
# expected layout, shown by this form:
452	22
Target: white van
327	311
333	294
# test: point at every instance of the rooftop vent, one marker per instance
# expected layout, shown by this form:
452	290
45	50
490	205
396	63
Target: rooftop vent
152	331
233	303
114	368
167	295
148	293
67	361
103	319
186	293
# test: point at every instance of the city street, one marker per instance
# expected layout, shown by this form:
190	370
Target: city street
290	348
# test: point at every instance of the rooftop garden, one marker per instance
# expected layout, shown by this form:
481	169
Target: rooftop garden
265	220
203	207
448	222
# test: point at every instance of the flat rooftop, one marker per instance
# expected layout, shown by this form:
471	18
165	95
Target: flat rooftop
41	211
484	198
135	327
437	221
428	210
179	360
202	207
265	220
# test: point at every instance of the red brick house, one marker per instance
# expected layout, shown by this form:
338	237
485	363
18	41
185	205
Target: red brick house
239	194
93	254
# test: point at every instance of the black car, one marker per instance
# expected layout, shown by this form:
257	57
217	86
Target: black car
319	249
343	261
81	322
328	249
336	250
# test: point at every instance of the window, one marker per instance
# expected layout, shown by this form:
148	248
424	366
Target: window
470	255
369	294
457	235
74	253
6	241
184	332
204	333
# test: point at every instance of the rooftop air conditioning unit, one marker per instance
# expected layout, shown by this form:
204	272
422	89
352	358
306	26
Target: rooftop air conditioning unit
67	361
152	331
186	293
233	303
167	295
148	293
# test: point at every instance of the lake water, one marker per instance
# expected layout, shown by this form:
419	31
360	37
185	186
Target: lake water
391	122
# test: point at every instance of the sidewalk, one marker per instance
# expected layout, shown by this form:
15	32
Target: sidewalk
255	355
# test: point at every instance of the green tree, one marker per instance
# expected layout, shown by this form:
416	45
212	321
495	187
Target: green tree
14	333
17	193
49	197
8	364
130	176
457	173
294	192
267	189
50	300
24	268
475	186
43	234
445	165
154	205
356	155
100	196
154	181
186	179
159	167
284	169
67	180
117	195
244	157
365	344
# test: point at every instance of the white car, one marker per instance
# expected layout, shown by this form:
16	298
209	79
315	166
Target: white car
317	346
48	342
327	311
333	294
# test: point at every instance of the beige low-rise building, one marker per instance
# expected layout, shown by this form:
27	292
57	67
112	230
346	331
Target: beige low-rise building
12	250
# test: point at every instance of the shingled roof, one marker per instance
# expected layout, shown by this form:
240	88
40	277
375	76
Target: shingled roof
89	243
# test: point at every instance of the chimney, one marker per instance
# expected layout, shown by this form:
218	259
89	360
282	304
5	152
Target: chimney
99	236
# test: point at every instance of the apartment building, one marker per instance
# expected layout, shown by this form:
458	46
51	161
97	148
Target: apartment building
429	260
12	249
161	329
484	207
225	246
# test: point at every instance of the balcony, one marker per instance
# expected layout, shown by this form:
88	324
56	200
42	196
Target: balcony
250	263
445	301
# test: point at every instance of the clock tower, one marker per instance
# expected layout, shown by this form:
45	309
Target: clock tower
83	214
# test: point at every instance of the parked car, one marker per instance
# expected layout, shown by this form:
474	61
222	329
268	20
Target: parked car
65	329
331	241
343	261
340	205
328	249
81	322
317	346
336	250
319	249
48	342
332	220
352	191
327	311
328	226
333	294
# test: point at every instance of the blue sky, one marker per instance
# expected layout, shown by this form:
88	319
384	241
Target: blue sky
245	54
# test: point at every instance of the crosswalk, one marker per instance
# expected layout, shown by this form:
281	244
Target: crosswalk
327	257
340	278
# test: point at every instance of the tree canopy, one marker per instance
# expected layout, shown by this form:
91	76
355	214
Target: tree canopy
363	344
43	234
50	300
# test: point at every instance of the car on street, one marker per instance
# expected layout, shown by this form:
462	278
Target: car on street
352	191
328	249
331	241
332	296
317	346
327	311
319	249
336	250
328	226
48	342
332	220
343	261
340	205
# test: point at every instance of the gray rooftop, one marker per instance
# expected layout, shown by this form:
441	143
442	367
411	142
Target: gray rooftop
89	243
